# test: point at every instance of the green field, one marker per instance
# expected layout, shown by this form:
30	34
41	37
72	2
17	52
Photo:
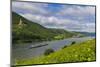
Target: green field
81	52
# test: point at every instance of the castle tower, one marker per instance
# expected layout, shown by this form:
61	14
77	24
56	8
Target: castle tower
20	22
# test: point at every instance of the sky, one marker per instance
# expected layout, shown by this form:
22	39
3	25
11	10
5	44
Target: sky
53	15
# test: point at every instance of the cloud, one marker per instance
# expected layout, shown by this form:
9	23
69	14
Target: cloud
28	7
54	22
76	10
69	17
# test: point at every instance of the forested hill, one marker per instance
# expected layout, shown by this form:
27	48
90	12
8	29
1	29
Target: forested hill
24	31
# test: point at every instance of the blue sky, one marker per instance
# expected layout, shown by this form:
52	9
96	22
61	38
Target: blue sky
68	17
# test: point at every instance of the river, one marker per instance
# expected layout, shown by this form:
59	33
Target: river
22	51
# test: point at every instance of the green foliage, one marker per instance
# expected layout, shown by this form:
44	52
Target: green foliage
75	53
73	42
48	51
64	46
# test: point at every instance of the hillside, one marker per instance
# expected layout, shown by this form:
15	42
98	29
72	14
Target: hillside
88	34
24	31
75	53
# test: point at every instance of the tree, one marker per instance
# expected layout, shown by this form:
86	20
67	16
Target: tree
64	46
48	51
73	42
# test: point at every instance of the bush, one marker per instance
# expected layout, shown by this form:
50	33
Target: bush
64	46
48	51
73	42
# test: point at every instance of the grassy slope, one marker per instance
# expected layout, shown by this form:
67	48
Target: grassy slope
76	53
32	31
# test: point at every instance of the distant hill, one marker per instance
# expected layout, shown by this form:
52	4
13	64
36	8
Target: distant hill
88	34
24	30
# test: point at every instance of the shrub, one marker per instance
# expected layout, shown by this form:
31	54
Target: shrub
48	51
73	42
64	46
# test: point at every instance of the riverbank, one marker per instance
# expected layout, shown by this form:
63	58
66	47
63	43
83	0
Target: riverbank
81	52
21	43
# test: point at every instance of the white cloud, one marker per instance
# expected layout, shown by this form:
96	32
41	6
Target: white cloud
36	12
77	10
86	27
54	22
34	8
